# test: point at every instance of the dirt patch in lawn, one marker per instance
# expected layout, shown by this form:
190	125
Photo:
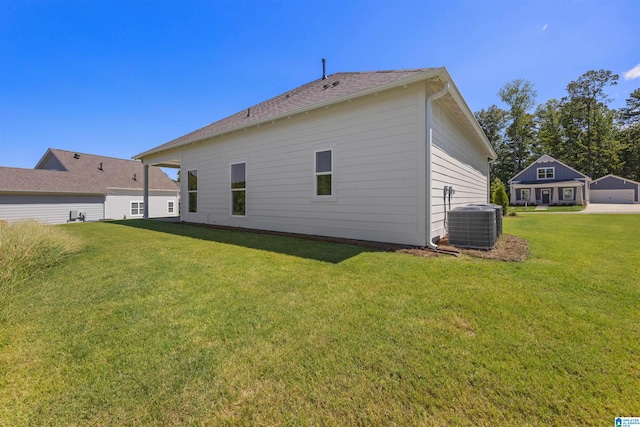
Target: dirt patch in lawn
508	248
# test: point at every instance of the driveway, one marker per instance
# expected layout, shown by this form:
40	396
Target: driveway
601	208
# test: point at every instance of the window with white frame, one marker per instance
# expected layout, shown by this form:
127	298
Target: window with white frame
323	185
546	173
170	207
525	193
192	190
239	189
137	208
567	194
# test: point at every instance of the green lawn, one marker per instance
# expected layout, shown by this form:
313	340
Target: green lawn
550	209
167	324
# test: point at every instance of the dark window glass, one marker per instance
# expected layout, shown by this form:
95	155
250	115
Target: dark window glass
238	175
323	161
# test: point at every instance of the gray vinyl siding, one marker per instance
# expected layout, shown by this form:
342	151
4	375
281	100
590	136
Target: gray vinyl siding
49	209
118	204
613	183
52	163
457	162
377	143
562	173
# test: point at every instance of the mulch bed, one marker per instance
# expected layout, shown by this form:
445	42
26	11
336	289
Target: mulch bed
508	248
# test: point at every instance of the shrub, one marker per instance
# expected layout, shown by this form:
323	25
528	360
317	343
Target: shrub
27	248
499	195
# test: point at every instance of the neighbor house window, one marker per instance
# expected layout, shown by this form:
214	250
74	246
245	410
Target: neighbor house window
239	189
567	194
546	173
170	207
192	190
324	173
137	208
524	194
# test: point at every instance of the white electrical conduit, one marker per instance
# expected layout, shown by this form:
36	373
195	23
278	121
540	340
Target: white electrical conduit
430	100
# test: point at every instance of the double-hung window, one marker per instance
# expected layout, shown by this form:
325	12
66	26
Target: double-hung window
239	189
546	173
192	190
567	194
524	194
137	208
323	173
170	207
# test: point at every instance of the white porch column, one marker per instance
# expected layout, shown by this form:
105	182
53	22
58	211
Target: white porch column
554	198
146	192
579	195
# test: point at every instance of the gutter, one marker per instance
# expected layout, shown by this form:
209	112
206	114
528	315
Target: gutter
429	141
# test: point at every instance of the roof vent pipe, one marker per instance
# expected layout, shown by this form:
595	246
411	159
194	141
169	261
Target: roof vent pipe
324	69
100	167
135	178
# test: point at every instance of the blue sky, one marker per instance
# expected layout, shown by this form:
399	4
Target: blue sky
117	78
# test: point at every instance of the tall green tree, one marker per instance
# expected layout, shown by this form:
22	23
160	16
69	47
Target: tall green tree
589	124
549	131
494	123
520	96
629	133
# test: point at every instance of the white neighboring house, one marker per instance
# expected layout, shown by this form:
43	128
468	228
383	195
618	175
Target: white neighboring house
359	155
65	184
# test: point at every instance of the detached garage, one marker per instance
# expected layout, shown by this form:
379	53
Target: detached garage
614	189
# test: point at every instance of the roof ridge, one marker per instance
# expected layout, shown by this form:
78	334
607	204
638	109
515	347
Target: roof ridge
322	91
93	155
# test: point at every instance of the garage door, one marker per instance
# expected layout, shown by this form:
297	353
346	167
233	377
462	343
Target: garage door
611	196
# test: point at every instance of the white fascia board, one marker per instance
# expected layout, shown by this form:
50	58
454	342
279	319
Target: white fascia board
44	156
396	83
464	107
616	177
549	184
547	158
142	189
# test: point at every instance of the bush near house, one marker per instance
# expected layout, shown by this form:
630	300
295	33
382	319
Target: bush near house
499	195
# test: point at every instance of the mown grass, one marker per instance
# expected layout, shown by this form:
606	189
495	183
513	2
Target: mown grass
168	324
550	209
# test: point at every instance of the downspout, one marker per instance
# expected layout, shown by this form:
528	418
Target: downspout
489	180
429	141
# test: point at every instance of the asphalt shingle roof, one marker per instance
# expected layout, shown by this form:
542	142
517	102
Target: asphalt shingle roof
334	87
82	174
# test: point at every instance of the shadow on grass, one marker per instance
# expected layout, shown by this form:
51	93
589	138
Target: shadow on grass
302	247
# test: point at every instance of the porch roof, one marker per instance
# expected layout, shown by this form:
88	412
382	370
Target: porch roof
548	184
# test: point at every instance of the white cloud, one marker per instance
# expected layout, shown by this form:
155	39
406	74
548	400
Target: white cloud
633	73
544	27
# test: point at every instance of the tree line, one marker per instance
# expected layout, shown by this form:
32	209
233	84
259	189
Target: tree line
579	129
